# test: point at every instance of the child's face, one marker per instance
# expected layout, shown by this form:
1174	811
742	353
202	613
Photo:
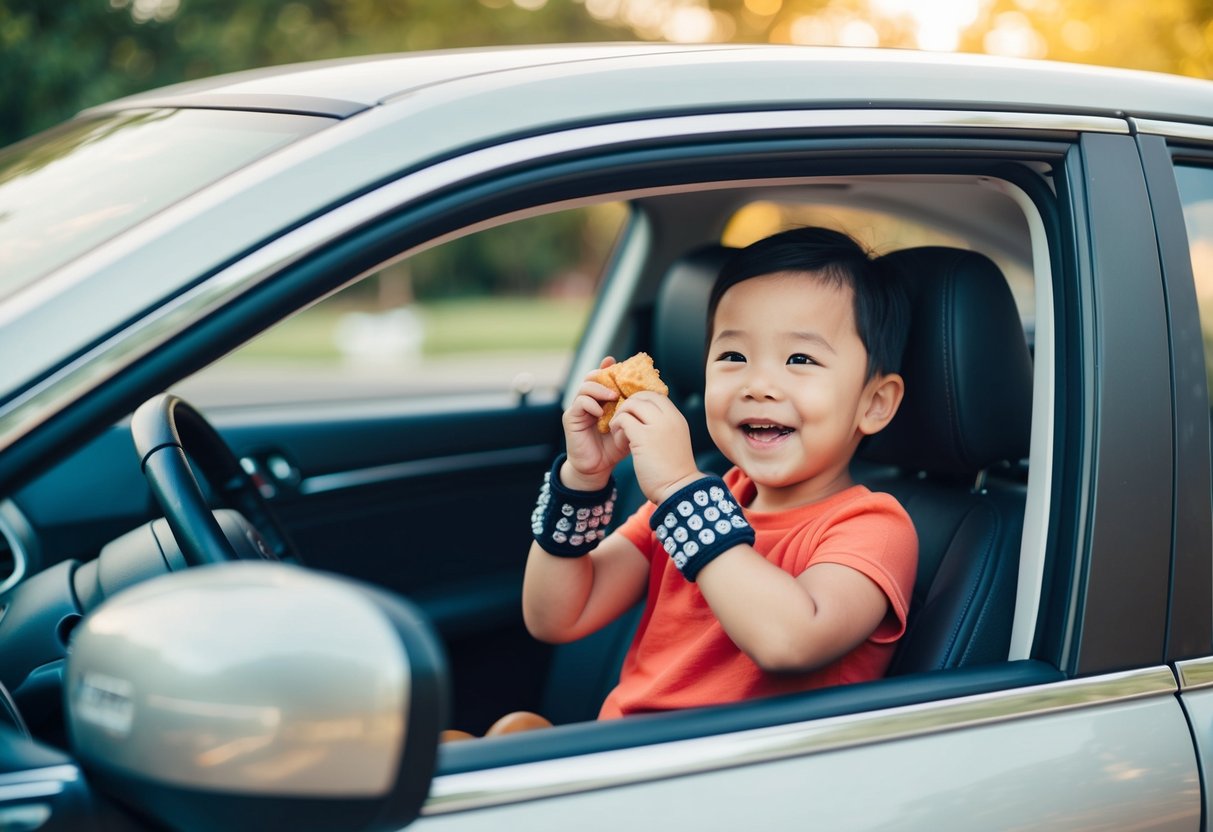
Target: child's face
788	396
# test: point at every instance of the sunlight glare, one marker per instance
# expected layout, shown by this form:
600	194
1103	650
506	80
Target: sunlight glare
938	24
689	24
765	8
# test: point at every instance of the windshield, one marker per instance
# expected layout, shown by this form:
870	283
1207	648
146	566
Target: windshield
71	188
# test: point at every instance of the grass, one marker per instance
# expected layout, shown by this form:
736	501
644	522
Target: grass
451	327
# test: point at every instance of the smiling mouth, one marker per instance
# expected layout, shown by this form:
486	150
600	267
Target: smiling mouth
764	431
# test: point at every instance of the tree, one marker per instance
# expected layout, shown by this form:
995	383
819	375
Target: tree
57	58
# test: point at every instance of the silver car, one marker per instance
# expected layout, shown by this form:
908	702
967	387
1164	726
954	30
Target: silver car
284	354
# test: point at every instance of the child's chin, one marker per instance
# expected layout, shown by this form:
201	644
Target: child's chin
764	477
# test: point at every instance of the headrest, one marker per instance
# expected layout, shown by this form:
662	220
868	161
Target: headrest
968	373
680	327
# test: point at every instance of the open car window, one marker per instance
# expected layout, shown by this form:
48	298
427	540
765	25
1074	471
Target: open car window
988	216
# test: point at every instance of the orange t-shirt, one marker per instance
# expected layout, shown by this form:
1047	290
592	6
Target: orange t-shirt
681	656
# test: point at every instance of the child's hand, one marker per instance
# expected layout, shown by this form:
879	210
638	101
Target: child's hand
592	455
660	441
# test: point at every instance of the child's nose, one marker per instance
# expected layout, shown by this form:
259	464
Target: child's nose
759	386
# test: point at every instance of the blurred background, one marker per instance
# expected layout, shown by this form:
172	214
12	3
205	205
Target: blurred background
503	309
57	56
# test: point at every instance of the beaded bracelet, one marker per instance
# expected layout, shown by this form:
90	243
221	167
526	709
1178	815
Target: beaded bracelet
569	523
699	522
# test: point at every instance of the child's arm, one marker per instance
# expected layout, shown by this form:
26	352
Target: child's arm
782	622
787	623
565	598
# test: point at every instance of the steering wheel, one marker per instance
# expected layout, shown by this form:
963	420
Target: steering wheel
168	433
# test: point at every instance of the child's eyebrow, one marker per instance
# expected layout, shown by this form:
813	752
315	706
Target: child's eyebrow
814	338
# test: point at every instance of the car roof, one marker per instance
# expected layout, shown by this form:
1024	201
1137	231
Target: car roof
343	86
850	76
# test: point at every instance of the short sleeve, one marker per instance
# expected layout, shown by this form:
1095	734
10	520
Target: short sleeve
876	537
636	530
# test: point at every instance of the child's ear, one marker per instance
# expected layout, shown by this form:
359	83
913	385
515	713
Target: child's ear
884	397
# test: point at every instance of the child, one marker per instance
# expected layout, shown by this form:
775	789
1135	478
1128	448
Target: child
783	575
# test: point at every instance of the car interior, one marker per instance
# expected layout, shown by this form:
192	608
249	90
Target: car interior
369	486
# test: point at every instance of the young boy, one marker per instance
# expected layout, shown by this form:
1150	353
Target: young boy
783	575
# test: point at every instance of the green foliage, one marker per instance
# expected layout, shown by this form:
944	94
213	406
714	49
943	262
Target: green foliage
59	57
568	245
557	255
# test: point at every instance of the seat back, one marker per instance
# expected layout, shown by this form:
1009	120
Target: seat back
966	415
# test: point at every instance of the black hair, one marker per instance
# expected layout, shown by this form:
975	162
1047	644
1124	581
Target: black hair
882	313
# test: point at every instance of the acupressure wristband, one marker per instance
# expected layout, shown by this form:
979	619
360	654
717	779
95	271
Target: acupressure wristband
699	522
570	523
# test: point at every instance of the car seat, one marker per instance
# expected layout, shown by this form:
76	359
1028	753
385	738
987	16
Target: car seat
965	418
966	412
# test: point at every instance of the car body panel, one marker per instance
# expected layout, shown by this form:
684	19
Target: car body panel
1102	752
1196	694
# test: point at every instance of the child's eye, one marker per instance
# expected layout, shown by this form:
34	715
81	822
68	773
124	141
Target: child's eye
800	358
730	355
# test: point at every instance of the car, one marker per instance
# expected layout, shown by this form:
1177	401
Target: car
285	354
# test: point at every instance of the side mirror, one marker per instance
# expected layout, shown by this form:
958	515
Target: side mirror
256	695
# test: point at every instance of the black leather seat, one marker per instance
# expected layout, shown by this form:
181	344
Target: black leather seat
966	411
953	455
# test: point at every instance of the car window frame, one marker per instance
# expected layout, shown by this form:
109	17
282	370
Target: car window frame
1119	544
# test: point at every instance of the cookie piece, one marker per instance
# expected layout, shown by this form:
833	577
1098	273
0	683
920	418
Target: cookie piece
627	378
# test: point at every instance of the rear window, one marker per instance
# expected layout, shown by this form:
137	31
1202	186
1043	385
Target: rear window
71	188
979	219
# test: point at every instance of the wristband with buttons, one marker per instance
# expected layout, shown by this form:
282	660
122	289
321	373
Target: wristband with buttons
569	523
699	522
